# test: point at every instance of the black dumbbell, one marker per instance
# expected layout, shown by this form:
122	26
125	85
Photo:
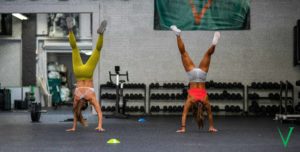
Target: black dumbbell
173	96
268	110
213	108
151	85
237	109
103	108
232	108
271	96
136	109
165	108
264	85
263	110
108	109
217	109
170	109
240	85
152	109
227	108
174	108
179	109
157	108
207	85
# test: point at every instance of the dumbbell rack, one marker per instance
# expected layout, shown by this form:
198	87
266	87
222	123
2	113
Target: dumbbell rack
287	110
265	101
131	98
173	102
225	95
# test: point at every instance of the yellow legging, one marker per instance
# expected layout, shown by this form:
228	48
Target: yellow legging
84	71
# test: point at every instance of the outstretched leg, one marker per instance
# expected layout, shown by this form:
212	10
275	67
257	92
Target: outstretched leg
205	62
186	60
94	58
185	112
76	58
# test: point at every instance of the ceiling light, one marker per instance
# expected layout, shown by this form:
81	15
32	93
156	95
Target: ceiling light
20	16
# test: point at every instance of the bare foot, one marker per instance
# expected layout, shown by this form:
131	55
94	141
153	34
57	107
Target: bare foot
212	129
71	130
100	129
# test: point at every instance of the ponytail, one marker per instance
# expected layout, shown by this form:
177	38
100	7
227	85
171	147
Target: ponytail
198	114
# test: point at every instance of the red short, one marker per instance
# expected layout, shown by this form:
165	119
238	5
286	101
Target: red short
199	94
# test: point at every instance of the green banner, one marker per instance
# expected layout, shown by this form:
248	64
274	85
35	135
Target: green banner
202	14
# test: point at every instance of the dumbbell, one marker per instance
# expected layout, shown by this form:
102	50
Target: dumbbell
254	107
208	85
253	85
271	85
179	109
151	85
135	108
232	108
103	108
217	109
268	110
212	108
264	85
240	85
173	96
237	109
165	109
174	108
239	96
263	110
225	93
109	109
157	109
152	109
271	96
142	109
227	108
170	109
215	96
185	92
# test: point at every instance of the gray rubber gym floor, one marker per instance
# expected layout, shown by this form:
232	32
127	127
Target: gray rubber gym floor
157	134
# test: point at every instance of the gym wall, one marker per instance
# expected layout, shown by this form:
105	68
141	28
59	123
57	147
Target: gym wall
11	57
263	53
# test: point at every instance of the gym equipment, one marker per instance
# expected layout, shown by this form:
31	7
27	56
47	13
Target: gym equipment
165	109
237	109
227	108
217	109
142	109
286	107
119	111
5	99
